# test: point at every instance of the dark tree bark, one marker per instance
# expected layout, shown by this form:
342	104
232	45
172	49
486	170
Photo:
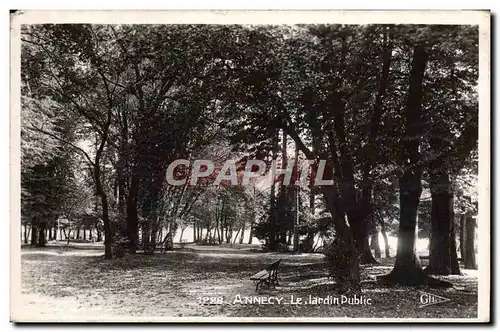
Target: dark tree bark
34	234
50	233
25	240
441	224
349	199
439	246
345	270
370	153
407	268
470	255
357	221
41	235
78	233
443	252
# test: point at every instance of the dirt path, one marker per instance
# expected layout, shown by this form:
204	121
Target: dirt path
77	284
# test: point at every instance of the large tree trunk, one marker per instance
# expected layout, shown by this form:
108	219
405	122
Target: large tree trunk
407	268
361	237
361	230
470	255
34	234
443	252
345	269
441	224
344	263
349	199
41	235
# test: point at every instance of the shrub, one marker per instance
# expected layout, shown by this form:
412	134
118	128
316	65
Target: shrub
120	246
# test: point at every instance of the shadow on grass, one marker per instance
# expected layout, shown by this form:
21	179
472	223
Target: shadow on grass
165	281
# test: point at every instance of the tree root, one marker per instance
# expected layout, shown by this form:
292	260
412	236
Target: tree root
412	278
368	259
442	272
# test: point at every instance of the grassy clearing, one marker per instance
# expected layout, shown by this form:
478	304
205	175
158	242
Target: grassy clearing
79	283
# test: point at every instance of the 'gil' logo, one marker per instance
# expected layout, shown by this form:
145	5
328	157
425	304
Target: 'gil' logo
427	299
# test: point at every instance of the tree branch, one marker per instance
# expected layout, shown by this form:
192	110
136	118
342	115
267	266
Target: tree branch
83	152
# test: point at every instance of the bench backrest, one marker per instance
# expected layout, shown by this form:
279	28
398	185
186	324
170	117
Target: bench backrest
274	266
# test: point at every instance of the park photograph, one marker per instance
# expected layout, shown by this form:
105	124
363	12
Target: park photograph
245	170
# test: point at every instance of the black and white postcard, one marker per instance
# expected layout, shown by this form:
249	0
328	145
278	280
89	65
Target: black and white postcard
249	166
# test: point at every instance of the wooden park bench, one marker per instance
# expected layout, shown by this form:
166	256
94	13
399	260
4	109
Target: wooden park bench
269	276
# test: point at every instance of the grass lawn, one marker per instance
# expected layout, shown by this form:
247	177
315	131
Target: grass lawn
78	284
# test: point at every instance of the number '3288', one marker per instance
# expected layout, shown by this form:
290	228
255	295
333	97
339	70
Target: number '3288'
210	300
